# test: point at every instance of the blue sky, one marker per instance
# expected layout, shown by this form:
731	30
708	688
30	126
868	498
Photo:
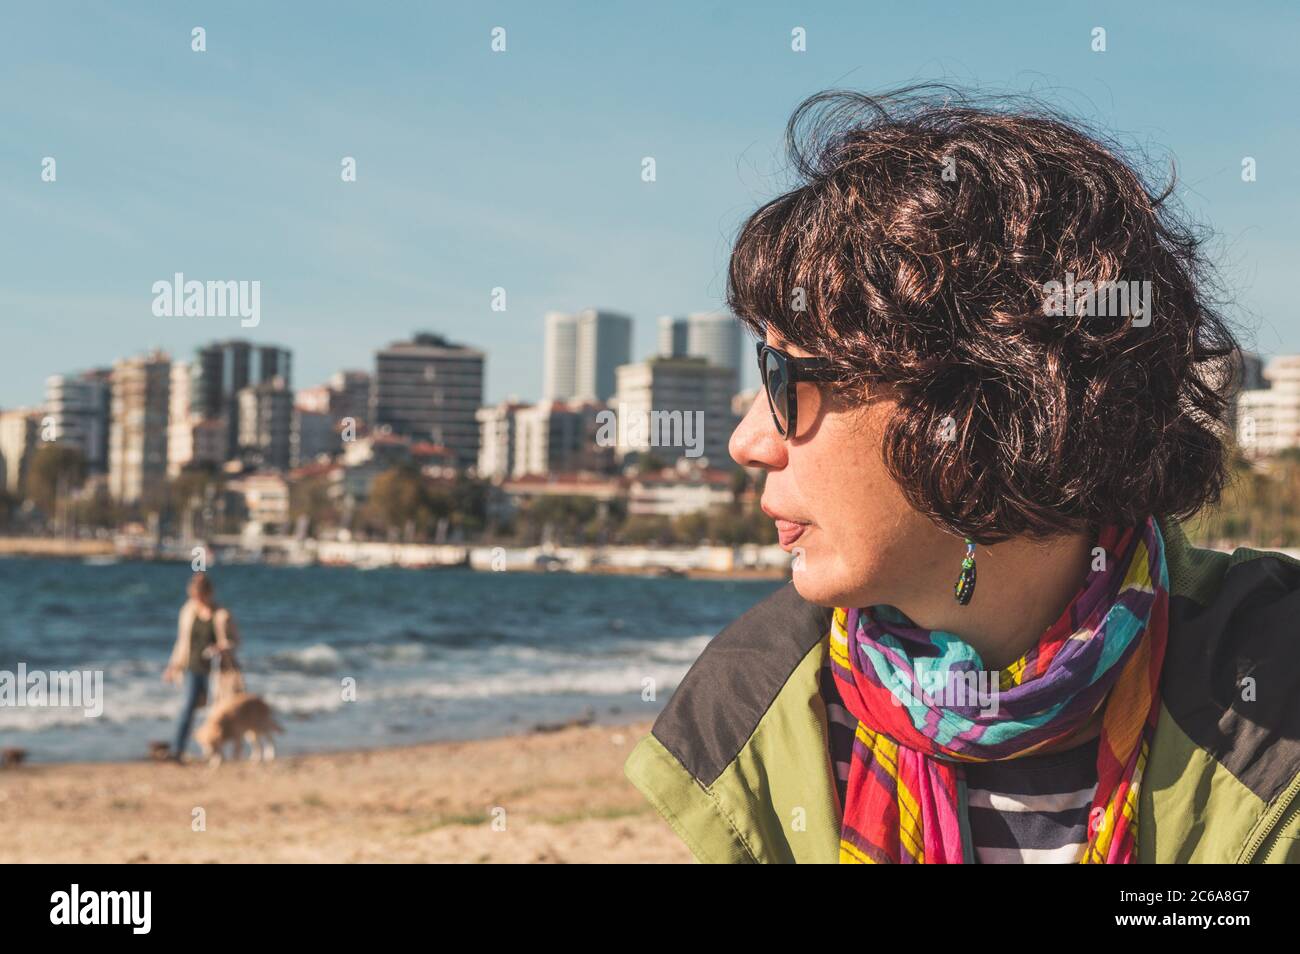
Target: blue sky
522	169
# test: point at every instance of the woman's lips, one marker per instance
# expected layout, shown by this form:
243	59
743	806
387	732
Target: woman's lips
787	531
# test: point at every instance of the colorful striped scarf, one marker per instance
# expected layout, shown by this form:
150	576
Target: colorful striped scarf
909	689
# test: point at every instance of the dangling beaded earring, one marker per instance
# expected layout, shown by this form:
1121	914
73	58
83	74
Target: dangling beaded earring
965	587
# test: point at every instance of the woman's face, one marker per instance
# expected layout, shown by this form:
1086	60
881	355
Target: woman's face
854	538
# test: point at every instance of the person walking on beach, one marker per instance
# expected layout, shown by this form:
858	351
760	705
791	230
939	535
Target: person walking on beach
204	630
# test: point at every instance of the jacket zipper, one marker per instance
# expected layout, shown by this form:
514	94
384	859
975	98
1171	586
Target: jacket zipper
1269	830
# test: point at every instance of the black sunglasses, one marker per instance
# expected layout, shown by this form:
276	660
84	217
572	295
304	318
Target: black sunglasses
780	374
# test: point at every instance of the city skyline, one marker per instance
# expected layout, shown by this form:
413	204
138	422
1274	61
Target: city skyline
365	365
151	417
520	173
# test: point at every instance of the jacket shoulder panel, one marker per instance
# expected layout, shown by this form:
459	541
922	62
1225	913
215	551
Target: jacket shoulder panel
725	694
1231	677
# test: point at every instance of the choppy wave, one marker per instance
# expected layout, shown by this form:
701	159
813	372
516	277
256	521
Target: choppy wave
309	681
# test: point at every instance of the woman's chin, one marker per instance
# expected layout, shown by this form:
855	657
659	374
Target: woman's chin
818	590
826	583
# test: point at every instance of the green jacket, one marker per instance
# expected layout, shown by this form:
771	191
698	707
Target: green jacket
738	763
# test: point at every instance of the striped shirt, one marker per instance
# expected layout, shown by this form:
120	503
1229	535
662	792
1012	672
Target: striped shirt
1021	811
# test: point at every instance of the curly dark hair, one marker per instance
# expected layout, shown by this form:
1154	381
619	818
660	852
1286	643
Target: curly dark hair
915	255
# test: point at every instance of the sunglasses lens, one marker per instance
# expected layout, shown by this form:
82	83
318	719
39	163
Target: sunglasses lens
777	389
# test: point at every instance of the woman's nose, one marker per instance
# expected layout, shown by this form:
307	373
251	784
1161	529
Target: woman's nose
755	441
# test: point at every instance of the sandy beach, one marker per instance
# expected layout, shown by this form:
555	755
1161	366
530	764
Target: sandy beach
549	797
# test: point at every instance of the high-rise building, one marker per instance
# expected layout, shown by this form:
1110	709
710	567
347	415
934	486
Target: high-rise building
180	419
672	337
19	436
266	424
192	440
78	407
313	435
552	437
429	389
137	442
713	335
1251	371
496	448
604	343
224	368
1229	376
581	353
674	407
1268	419
350	396
272	363
560	357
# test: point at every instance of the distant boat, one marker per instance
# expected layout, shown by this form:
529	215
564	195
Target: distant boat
102	560
672	571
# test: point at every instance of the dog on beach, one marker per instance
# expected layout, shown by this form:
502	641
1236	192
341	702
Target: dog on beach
230	679
236	719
